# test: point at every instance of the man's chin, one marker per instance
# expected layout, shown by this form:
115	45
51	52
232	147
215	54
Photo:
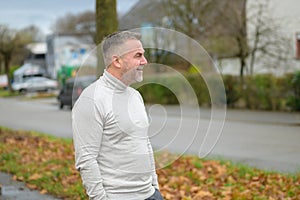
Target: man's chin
139	79
139	76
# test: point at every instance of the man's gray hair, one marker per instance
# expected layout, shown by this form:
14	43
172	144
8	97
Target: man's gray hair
112	43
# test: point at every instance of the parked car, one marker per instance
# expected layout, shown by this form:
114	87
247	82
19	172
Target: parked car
35	84
3	82
72	90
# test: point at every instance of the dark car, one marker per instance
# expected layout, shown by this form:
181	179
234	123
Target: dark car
72	90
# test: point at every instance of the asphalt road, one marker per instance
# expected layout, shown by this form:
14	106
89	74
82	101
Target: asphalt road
15	190
267	140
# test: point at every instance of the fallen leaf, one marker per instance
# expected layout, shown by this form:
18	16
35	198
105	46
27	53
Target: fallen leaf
35	177
43	191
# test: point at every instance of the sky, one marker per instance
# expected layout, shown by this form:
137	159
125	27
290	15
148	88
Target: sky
21	13
43	13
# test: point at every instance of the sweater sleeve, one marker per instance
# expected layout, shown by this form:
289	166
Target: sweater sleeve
150	151
154	175
87	125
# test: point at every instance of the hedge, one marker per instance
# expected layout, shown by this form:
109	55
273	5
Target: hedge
260	92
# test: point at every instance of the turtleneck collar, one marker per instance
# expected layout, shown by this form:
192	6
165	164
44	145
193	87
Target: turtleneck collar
113	82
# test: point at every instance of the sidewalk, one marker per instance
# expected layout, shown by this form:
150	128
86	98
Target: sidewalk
15	190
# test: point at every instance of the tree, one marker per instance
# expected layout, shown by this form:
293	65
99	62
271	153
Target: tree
82	23
235	18
266	42
207	21
106	18
191	17
10	41
27	35
194	18
1	64
31	33
106	23
12	46
256	34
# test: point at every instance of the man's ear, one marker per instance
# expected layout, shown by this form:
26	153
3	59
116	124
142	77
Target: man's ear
116	61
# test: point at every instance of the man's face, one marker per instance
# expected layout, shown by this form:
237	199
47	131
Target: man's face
132	62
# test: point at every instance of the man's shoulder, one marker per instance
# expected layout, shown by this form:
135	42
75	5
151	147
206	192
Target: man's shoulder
96	92
136	92
133	90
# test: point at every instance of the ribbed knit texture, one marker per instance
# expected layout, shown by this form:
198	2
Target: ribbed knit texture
112	150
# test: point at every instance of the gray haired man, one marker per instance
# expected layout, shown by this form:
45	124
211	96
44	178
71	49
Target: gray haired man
110	127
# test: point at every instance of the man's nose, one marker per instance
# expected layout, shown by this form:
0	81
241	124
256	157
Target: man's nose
144	61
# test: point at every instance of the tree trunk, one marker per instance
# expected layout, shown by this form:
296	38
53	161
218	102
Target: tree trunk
252	61
106	23
242	55
1	67
6	68
242	41
256	39
243	66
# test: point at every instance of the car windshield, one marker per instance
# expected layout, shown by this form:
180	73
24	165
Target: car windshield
36	79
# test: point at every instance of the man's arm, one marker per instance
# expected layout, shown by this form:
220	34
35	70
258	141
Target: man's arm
154	175
150	151
87	128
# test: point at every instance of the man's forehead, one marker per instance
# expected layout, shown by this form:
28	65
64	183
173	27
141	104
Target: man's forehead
131	46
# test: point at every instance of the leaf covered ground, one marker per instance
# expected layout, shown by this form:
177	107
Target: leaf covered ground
47	164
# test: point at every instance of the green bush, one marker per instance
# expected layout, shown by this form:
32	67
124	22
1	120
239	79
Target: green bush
294	98
12	70
262	92
173	89
232	89
200	88
157	94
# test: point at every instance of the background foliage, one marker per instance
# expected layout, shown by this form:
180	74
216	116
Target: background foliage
261	92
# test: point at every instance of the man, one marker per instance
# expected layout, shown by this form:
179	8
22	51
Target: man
112	150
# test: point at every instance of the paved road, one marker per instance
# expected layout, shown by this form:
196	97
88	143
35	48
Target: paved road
40	115
268	140
15	190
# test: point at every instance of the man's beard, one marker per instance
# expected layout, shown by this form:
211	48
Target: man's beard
133	75
139	75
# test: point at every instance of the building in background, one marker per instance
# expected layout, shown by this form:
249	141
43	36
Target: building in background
66	53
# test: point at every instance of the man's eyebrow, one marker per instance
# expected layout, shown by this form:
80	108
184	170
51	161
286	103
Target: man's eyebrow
139	53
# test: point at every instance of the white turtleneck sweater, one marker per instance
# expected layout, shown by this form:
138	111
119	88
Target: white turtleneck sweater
112	150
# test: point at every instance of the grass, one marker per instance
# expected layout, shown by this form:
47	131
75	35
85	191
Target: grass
6	93
46	163
43	162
